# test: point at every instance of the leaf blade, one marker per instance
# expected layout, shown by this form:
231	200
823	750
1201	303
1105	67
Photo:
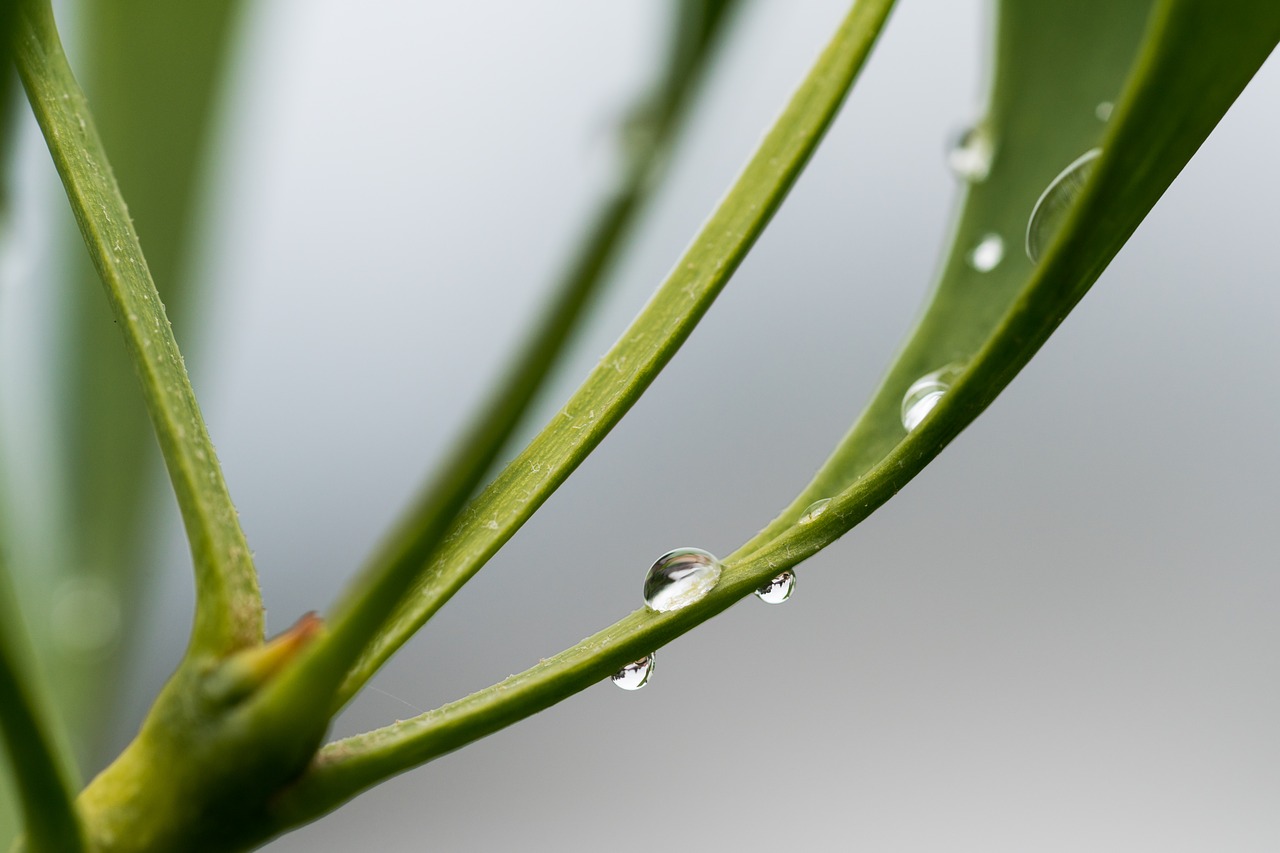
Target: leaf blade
1040	118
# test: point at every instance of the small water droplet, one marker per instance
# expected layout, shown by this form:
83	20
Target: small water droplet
636	674
813	510
85	616
1103	110
1056	201
988	254
971	153
779	589
679	578
925	393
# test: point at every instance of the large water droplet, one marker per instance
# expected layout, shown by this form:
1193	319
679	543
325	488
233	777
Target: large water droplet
636	674
988	254
925	393
1103	110
970	155
1056	201
779	589
813	510
679	578
85	617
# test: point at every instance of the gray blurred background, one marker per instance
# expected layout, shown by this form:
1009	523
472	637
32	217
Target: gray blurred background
1063	636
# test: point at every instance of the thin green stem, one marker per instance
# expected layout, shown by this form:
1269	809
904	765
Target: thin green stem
228	606
402	555
1192	56
52	825
644	349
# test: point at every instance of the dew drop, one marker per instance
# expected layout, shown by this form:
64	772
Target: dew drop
85	617
779	589
1103	110
679	578
636	674
988	254
813	510
1055	203
925	393
970	154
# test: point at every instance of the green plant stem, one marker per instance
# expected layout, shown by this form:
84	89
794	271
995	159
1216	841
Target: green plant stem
1195	62
401	556
228	606
45	793
631	365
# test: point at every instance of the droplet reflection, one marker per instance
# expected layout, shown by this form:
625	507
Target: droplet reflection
1055	203
988	254
779	589
679	578
925	393
970	155
813	511
636	674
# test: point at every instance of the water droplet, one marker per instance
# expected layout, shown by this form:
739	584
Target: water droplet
1055	203
988	254
679	578
85	617
925	393
779	589
1103	110
636	674
970	155
813	510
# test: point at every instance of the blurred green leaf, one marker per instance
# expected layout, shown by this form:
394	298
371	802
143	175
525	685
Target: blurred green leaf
152	70
228	605
1194	62
8	114
44	790
7	104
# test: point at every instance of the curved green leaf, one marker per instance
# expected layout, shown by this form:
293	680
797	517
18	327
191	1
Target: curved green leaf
1195	62
1055	63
